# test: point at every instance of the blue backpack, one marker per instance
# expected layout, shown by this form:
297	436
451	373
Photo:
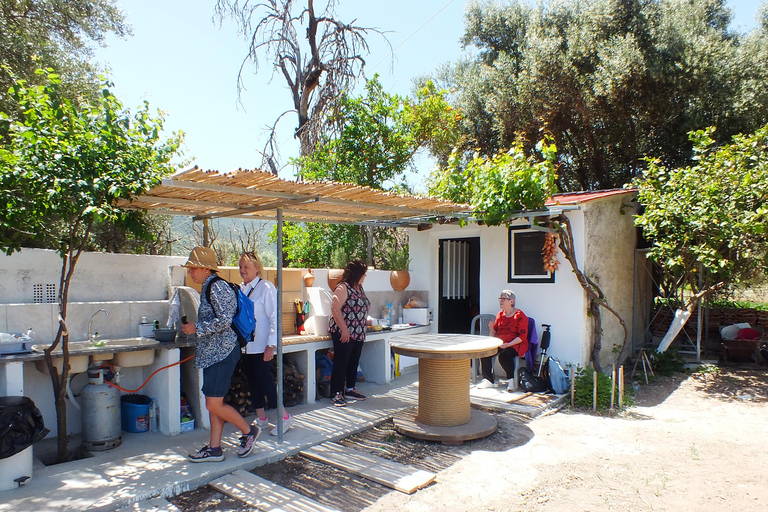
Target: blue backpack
243	323
557	377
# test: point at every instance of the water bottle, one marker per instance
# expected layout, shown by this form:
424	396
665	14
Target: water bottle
389	314
154	420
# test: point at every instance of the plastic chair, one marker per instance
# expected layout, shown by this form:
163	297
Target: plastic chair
530	356
479	326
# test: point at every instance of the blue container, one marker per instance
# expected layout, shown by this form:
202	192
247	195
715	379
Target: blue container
134	413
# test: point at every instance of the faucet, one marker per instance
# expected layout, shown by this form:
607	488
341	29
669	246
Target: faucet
91	335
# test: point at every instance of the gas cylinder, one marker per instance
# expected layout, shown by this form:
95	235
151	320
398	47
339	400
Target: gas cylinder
100	405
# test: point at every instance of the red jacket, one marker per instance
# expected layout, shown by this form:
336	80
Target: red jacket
509	328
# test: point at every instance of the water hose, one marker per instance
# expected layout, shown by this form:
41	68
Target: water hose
148	378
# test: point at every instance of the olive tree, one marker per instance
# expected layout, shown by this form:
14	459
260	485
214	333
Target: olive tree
612	81
64	169
40	33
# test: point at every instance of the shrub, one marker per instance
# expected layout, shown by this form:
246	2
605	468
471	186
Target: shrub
666	363
584	386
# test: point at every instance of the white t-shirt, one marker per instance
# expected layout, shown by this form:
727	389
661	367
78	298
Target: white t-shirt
264	297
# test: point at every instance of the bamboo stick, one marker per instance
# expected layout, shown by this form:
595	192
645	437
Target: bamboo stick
621	386
613	384
573	386
594	391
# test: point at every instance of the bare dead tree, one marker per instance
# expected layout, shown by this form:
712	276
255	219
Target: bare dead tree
318	66
246	237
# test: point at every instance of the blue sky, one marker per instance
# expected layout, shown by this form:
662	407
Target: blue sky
184	64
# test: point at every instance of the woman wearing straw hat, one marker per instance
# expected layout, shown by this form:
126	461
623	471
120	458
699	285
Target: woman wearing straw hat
217	352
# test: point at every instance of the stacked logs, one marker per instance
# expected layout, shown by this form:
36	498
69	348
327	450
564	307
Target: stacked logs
239	395
293	383
549	252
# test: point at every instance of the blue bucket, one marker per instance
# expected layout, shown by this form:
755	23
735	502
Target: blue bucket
134	413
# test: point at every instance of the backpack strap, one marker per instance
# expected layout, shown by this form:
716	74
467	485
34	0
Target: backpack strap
208	292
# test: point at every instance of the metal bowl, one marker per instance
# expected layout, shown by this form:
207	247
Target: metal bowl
165	334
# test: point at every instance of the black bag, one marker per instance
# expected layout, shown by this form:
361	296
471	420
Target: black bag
530	383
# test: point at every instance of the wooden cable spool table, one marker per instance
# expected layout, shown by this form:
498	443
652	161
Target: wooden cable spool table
444	412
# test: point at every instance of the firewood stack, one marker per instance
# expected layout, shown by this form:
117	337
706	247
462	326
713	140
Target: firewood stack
239	395
293	383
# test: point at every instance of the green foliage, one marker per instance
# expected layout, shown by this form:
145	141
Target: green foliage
375	139
67	166
312	245
584	391
398	259
706	223
666	363
495	187
339	258
378	135
60	35
611	81
737	304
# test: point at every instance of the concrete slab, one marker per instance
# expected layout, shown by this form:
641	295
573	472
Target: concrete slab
152	465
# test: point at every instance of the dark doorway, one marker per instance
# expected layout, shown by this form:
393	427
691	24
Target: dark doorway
459	289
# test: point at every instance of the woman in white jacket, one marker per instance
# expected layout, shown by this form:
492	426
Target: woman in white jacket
257	360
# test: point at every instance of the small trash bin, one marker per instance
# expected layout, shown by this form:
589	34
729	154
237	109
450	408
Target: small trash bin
21	425
134	413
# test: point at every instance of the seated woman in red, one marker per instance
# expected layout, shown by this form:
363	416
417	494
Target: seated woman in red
511	327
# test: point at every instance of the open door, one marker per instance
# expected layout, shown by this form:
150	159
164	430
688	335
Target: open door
459	289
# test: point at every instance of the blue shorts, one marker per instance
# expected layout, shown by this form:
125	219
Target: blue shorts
217	377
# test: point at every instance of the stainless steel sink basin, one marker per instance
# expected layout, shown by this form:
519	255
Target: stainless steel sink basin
79	352
130	342
78	346
73	346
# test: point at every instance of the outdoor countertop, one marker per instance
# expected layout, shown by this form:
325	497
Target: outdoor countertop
183	341
36	356
296	339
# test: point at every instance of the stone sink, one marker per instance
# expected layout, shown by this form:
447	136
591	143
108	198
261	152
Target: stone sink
120	352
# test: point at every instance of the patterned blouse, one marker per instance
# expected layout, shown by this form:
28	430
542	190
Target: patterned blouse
355	313
215	337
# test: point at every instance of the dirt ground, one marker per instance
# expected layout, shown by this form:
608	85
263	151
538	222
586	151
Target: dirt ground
690	443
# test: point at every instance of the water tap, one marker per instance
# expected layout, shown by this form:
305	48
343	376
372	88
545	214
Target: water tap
93	335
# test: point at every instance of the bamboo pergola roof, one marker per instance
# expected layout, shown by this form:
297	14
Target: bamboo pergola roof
257	195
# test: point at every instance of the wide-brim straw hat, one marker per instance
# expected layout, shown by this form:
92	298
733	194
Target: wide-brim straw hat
202	257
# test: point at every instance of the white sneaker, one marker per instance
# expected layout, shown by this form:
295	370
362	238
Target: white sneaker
262	423
287	423
485	384
512	386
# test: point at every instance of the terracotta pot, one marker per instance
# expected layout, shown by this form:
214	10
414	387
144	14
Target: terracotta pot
334	278
309	278
399	279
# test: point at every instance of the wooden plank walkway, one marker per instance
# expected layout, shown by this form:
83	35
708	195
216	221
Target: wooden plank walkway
394	475
151	505
265	495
